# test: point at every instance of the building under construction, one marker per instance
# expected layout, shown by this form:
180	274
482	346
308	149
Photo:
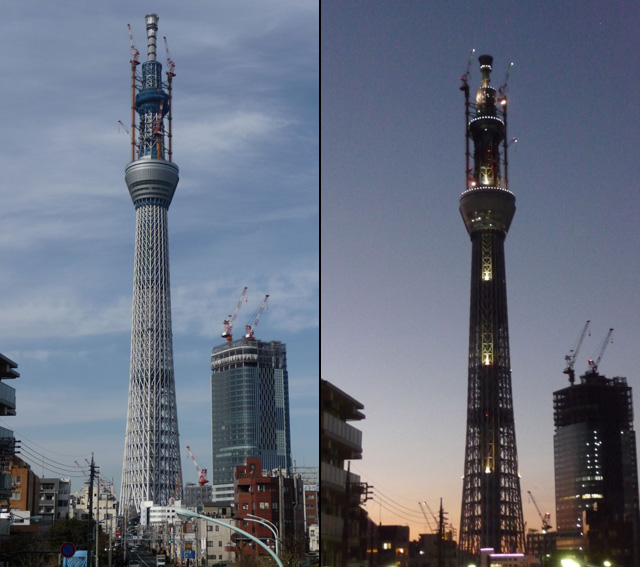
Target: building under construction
249	409
596	472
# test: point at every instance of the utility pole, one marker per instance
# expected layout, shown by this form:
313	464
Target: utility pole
92	475
281	532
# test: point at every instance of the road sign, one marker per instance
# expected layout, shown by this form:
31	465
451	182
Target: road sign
67	550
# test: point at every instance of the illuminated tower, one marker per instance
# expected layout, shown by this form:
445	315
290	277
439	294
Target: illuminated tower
151	468
491	500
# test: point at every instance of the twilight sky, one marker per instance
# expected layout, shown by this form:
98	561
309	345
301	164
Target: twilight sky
245	137
396	257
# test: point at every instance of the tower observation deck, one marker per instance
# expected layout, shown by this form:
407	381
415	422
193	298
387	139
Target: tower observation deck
491	499
152	466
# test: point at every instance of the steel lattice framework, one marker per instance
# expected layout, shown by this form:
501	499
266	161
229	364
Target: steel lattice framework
152	465
491	498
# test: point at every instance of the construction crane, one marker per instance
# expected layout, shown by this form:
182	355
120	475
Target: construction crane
593	364
249	329
546	526
170	64
202	479
134	52
228	323
573	354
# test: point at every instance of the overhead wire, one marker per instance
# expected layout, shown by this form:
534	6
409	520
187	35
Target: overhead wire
393	507
47	464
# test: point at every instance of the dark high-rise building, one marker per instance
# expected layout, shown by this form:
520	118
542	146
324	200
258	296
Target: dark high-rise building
249	409
596	472
491	500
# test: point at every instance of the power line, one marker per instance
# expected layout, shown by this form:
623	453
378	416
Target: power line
42	461
18	434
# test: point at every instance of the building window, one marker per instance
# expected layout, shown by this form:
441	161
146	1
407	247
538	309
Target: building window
217	528
264	505
261	488
210	528
245	506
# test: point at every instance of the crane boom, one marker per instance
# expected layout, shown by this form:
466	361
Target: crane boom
593	365
228	323
249	329
202	474
546	526
134	52
573	354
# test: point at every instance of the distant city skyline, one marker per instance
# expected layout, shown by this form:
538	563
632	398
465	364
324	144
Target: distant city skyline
395	280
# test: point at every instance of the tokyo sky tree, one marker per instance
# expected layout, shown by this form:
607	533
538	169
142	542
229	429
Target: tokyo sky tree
491	500
151	468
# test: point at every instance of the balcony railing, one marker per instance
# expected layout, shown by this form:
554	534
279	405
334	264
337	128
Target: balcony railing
343	432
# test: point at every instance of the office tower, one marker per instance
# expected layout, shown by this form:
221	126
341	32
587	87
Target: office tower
249	409
151	469
491	501
596	473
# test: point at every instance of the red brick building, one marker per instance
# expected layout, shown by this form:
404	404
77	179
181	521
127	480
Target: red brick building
271	496
25	487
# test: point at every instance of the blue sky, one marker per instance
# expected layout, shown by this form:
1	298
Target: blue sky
245	137
395	253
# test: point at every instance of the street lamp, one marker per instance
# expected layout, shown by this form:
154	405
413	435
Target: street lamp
189	514
268	524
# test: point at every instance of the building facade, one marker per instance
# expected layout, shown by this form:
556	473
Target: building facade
25	487
339	442
7	440
274	497
491	515
196	496
596	472
151	466
54	502
249	410
104	505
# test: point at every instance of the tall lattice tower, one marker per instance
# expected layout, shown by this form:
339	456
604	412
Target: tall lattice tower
491	499
151	468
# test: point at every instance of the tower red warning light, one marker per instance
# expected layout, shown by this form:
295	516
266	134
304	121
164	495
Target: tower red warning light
202	474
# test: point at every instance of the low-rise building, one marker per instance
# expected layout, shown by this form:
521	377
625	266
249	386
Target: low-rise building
104	506
54	499
271	497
